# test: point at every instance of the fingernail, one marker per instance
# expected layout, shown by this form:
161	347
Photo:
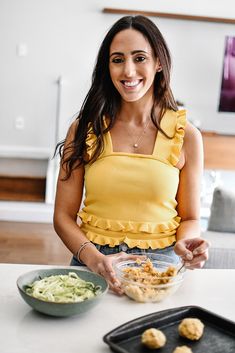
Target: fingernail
189	256
195	252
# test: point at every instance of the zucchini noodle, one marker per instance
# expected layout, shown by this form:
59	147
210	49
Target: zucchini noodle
63	289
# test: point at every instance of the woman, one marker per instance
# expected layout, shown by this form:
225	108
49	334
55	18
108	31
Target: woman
139	160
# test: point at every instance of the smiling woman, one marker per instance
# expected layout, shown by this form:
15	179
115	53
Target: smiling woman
133	70
139	159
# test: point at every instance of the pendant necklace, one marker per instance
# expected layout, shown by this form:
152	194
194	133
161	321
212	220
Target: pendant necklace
137	143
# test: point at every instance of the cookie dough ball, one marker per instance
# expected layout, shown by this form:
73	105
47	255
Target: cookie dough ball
183	349
153	338
191	328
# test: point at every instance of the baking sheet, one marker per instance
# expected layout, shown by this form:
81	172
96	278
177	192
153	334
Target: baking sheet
218	337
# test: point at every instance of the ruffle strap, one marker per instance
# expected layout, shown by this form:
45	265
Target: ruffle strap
129	226
90	142
178	139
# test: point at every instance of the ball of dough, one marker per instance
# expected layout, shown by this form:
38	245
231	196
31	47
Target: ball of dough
191	328
183	349
153	338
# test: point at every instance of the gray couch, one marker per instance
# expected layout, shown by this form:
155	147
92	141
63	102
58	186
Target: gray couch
221	230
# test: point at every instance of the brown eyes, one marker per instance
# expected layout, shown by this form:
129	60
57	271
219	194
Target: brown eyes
140	58
117	60
137	59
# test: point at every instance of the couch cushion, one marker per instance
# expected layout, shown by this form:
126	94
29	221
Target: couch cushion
222	218
221	258
220	240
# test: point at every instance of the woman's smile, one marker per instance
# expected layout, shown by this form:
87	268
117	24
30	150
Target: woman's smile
131	84
132	65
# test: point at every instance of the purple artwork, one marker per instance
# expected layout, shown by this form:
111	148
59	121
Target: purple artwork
227	94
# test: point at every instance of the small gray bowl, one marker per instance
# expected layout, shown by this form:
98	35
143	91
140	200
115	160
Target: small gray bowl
60	309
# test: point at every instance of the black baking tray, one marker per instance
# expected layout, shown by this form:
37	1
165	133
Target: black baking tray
218	336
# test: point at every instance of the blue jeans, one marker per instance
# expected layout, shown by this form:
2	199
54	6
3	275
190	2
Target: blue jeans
107	250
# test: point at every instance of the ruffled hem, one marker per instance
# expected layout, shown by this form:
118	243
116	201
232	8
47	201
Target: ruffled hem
178	139
129	226
139	243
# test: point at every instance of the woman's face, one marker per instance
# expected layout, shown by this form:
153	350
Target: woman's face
132	65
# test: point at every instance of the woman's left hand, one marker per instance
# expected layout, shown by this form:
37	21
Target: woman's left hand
193	251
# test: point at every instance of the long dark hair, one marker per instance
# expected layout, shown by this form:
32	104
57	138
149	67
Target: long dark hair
104	100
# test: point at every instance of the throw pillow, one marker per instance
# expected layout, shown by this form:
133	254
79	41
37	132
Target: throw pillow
222	218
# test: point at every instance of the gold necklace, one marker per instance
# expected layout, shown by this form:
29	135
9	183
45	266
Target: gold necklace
138	141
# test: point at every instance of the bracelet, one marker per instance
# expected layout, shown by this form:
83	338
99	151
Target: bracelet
82	246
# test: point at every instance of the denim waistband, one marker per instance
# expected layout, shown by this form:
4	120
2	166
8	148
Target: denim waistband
107	250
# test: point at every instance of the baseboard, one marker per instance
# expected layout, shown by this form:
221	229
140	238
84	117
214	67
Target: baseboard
26	212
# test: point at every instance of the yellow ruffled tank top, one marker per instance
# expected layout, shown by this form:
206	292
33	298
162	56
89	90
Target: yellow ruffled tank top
131	198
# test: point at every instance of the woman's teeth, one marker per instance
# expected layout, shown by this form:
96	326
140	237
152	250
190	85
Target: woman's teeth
131	83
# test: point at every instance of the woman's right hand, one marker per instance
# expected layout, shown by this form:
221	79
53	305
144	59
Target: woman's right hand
103	265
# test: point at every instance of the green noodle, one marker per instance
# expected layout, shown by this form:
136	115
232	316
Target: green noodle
63	289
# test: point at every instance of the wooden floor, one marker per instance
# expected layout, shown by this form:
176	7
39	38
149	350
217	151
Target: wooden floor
31	243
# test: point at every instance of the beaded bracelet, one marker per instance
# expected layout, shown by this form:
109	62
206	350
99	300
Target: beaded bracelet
82	246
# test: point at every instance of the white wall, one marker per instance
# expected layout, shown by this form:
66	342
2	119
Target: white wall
23	167
62	37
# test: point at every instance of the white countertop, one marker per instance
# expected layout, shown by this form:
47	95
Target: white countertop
23	330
